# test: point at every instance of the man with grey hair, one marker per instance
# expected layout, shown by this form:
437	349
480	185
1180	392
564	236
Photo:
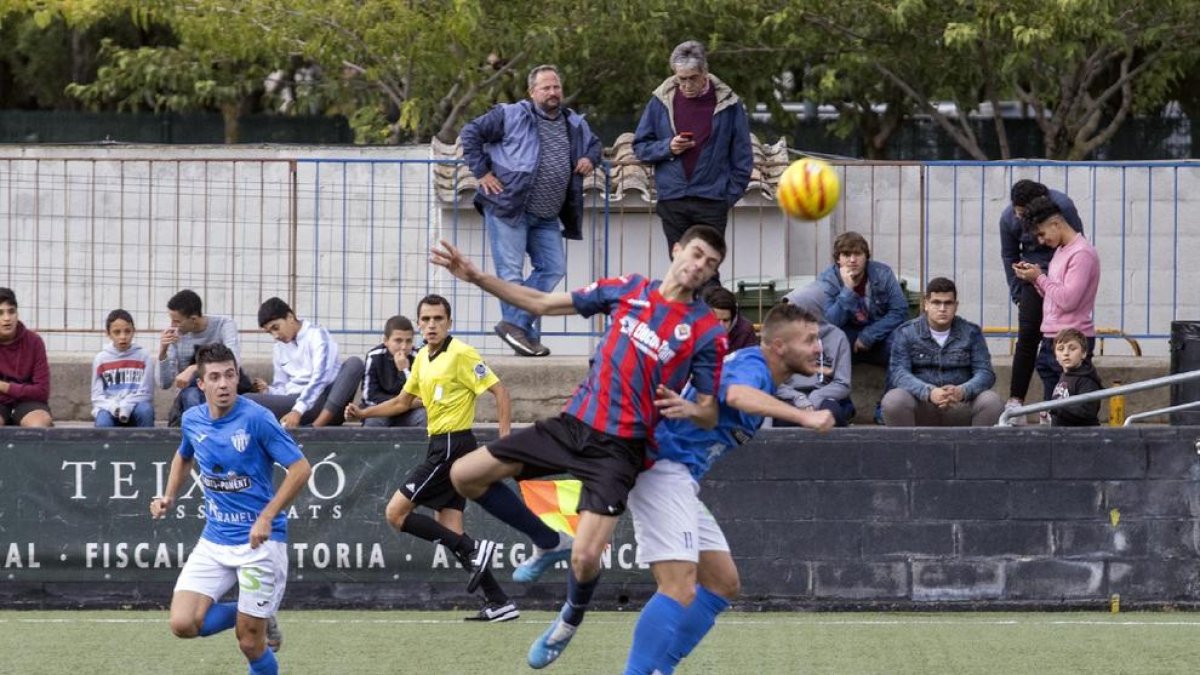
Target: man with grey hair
698	142
530	158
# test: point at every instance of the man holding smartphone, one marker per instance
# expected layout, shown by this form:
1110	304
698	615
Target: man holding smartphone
696	133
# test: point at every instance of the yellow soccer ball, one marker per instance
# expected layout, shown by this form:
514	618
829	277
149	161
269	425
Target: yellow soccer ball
808	189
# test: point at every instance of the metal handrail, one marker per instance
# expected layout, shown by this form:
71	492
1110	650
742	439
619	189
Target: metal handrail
1155	383
1160	411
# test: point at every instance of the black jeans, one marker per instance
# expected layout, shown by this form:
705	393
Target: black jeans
680	214
1029	337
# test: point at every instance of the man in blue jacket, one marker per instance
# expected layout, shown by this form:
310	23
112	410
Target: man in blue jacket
530	158
942	368
1016	245
699	144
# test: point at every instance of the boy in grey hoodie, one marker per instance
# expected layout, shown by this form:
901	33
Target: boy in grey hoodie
829	388
122	377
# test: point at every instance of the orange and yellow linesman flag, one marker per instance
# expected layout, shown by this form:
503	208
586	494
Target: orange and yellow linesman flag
556	502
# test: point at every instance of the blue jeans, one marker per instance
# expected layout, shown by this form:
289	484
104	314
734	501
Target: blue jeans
541	238
142	415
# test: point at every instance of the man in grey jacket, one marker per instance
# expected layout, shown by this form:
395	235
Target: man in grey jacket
829	388
941	368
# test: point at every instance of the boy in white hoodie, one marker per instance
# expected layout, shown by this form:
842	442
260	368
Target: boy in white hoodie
122	377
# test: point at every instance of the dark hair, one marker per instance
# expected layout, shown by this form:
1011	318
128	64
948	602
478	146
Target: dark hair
1071	335
1025	191
850	242
117	315
433	299
272	309
217	352
941	285
784	313
186	302
706	234
398	322
7	297
1039	211
719	297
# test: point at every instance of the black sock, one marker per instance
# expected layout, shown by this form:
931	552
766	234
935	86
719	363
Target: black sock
579	596
421	525
504	504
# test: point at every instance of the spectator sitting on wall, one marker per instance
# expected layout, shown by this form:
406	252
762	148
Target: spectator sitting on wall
828	388
1068	287
189	330
309	386
24	370
724	304
122	377
942	368
1079	377
1017	244
864	299
387	369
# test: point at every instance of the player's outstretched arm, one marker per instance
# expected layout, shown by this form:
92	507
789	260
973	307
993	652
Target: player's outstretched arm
180	468
529	299
758	402
297	475
397	405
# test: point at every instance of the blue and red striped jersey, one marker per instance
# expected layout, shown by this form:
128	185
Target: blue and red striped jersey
650	341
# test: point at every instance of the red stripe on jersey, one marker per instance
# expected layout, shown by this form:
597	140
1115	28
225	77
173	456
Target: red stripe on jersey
122	363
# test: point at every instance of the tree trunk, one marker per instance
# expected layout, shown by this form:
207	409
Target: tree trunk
230	112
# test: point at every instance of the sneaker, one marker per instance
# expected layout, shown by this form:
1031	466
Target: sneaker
543	559
1044	418
495	612
274	635
540	349
546	649
481	557
1015	420
516	338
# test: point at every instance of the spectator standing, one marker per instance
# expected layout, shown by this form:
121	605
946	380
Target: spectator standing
828	387
1079	377
189	330
942	368
1019	245
309	385
24	370
695	132
387	370
1068	286
122	377
530	158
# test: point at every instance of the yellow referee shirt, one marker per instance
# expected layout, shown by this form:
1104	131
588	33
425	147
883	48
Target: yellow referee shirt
448	383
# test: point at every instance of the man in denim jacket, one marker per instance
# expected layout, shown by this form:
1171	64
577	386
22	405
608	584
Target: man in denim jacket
941	368
530	158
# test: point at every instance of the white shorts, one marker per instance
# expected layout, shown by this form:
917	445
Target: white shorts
669	520
261	574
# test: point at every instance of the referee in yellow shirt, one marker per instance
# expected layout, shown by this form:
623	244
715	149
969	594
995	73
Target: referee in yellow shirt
447	376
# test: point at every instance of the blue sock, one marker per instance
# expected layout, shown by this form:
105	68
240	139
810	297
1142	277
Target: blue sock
654	634
220	616
579	595
504	504
698	619
265	664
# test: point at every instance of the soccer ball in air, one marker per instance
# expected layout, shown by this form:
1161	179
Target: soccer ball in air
808	189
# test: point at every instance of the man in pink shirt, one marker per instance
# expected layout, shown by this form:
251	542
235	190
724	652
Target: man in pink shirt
1068	289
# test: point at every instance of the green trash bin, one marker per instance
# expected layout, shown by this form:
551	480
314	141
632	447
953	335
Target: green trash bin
913	297
756	298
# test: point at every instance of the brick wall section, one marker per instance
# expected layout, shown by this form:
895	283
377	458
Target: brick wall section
965	517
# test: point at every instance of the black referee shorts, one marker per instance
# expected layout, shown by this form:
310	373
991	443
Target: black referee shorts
428	483
607	465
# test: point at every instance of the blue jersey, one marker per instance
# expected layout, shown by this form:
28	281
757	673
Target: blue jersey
651	341
684	442
235	456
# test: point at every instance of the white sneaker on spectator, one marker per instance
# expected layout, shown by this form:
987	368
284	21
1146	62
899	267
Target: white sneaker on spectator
1015	420
1044	418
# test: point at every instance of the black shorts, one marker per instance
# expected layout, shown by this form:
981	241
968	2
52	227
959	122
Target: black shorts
13	414
607	465
428	483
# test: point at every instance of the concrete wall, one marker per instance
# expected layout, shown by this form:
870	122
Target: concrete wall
540	387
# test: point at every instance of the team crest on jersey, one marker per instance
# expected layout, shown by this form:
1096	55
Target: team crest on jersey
683	332
480	371
240	440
